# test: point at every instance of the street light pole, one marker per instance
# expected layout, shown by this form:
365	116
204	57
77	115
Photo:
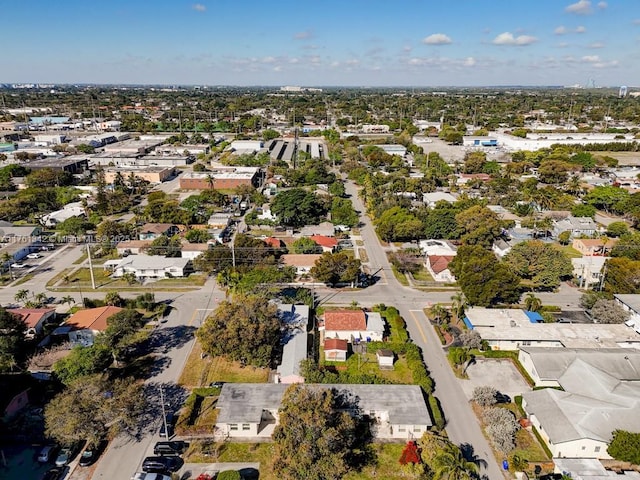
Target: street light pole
164	413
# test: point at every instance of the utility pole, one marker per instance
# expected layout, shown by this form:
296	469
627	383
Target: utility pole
164	413
233	254
93	280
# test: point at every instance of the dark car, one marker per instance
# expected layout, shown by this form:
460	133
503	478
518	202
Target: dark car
502	398
168	432
55	473
161	464
170	448
91	453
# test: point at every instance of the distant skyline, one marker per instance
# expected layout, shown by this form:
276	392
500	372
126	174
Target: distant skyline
341	43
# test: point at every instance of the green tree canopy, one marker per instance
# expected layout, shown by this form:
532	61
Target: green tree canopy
480	226
81	362
12	339
305	245
606	197
246	329
625	446
342	212
336	267
315	436
398	224
297	207
163	245
483	280
541	265
623	275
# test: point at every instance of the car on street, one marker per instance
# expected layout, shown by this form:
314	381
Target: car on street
150	476
66	455
502	398
161	464
168	432
55	473
170	448
47	453
18	265
34	256
91	453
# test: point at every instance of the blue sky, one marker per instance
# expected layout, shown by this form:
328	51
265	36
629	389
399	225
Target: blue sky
328	42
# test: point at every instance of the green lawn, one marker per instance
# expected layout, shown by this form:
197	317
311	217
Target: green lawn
400	276
200	371
368	363
385	467
423	275
570	251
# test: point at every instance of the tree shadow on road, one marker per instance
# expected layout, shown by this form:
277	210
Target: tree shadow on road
164	339
173	396
469	454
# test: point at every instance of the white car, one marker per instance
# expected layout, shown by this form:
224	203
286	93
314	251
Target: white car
34	256
150	476
18	265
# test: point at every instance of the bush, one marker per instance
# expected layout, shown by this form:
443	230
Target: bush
229	475
485	396
501	428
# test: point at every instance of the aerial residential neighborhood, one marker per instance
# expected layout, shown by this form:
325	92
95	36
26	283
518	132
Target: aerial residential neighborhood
339	245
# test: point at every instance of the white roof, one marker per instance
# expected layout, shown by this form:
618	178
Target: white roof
590	469
375	323
156	262
294	340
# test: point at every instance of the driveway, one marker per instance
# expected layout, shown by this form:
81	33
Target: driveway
500	374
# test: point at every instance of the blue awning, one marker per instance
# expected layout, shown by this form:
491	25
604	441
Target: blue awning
534	317
468	323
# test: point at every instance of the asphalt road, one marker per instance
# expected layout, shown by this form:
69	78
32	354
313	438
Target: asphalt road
462	426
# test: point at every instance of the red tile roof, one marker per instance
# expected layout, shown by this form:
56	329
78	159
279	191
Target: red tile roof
335	344
300	259
327	242
273	242
31	316
92	318
345	320
439	263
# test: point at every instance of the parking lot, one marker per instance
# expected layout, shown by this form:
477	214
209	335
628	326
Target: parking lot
21	463
500	374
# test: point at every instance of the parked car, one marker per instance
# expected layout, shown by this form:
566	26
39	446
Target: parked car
502	398
55	473
47	453
149	476
66	455
34	256
161	464
170	448
91	453
216	384
168	433
18	265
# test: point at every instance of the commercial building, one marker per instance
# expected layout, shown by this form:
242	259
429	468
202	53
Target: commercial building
149	174
72	164
475	141
132	147
221	178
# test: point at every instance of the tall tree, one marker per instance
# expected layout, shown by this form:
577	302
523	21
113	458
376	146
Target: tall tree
12	341
541	265
247	329
314	439
336	267
480	226
297	207
450	464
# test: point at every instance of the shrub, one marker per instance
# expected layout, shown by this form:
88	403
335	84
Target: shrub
485	396
501	428
229	475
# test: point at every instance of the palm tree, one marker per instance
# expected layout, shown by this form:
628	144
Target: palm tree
113	298
211	181
450	464
439	313
459	303
7	258
68	299
532	303
40	298
21	295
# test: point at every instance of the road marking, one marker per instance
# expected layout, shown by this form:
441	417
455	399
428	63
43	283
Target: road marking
424	337
195	313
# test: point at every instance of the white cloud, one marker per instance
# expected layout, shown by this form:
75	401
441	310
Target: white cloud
198	7
581	7
507	38
596	45
268	59
277	68
602	5
581	29
469	62
437	39
591	58
562	45
561	30
303	35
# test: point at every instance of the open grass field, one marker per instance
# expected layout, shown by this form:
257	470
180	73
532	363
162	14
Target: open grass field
199	372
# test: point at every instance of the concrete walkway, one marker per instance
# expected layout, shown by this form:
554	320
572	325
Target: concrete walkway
193	470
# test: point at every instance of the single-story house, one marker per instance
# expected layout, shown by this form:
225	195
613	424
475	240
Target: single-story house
132	247
295	320
250	410
631	303
502	246
220	220
512	329
335	350
18	233
385	358
326	229
153	266
68	211
591	469
353	325
437	247
594	246
600	393
151	231
88	323
266	214
438	267
35	318
193	250
303	263
576	226
328	244
430	199
273	242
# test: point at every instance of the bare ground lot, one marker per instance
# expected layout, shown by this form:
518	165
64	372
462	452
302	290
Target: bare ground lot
498	373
